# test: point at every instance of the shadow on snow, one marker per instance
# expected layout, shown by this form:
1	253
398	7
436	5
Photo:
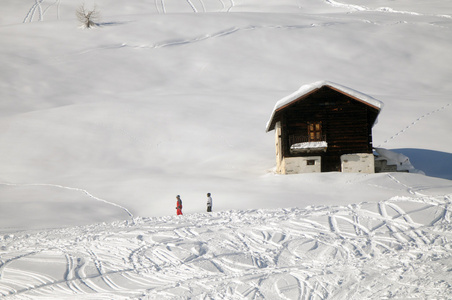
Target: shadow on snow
432	163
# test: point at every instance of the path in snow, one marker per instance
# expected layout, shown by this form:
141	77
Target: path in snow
71	189
395	248
212	6
38	6
355	7
200	38
414	123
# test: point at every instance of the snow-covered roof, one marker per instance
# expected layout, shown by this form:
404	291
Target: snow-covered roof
309	88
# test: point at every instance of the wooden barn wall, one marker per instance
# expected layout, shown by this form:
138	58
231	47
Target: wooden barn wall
346	123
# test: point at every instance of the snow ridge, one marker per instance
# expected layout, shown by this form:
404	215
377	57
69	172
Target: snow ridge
360	8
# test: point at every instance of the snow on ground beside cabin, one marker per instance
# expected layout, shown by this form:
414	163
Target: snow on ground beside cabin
101	129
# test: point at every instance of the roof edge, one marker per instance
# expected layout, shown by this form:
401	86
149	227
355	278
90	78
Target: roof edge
307	89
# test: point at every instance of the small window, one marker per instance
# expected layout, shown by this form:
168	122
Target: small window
315	131
310	162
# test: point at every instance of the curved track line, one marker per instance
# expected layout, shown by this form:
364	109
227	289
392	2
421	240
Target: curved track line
248	253
222	4
30	14
409	188
192	6
57	2
394	230
411	223
203	6
4	263
162	2
71	189
200	38
232	5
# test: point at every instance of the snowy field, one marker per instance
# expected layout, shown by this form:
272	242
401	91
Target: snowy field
101	128
395	248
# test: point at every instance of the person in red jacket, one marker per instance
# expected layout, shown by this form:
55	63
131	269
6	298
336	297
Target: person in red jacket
178	205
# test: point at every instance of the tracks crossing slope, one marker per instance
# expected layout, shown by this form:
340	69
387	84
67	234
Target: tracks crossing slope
313	253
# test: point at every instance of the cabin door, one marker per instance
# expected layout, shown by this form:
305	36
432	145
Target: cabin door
331	163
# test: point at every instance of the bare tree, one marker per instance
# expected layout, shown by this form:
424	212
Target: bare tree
88	18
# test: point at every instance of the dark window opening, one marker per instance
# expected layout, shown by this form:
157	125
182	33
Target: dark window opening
310	162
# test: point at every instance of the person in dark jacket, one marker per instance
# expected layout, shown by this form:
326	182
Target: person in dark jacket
209	203
178	205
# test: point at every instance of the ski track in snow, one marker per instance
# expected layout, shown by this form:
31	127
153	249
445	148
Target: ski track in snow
30	15
350	252
72	189
160	8
224	33
354	8
38	6
201	38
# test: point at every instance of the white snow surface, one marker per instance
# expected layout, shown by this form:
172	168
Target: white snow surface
391	249
101	128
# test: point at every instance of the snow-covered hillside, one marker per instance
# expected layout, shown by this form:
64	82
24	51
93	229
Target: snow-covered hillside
100	129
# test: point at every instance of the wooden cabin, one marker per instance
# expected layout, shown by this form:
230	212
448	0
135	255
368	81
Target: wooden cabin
324	127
